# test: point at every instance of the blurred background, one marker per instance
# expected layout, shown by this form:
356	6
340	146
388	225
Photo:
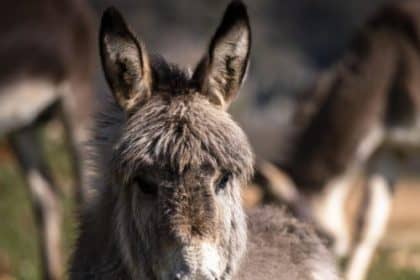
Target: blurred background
293	41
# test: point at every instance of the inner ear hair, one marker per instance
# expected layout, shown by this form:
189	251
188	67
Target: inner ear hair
221	72
124	60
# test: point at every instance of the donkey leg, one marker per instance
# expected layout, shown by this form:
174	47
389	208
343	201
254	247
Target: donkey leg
373	218
329	210
44	198
75	154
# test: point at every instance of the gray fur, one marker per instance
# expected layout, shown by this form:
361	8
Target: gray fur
280	247
169	166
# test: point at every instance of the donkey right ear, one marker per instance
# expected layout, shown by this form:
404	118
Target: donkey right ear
124	60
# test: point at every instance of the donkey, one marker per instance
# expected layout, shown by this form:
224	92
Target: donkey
354	120
169	165
46	64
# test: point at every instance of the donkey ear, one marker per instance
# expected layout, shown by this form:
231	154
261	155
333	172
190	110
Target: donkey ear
221	72
124	60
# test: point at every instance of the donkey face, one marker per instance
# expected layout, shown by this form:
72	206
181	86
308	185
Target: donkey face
180	160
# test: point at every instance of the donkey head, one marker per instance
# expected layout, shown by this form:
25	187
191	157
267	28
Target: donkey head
180	160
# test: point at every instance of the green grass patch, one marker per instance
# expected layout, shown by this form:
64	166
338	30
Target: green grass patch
19	247
383	269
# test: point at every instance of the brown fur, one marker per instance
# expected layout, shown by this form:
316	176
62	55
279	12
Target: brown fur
49	40
170	164
324	149
51	43
46	63
365	106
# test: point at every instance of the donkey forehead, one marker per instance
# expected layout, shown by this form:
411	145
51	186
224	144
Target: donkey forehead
184	132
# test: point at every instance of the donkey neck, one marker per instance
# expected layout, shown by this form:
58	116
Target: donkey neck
349	105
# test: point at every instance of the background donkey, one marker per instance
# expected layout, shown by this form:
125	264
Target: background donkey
170	163
359	112
46	64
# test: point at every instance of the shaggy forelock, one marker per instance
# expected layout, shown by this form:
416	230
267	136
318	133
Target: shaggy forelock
182	132
169	77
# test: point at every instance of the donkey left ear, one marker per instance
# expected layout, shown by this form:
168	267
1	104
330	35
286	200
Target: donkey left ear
221	72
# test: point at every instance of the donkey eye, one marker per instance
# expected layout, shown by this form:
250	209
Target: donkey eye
221	183
146	187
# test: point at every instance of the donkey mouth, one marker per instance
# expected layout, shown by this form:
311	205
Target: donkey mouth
186	276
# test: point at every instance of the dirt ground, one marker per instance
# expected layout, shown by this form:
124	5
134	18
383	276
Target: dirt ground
402	240
404	227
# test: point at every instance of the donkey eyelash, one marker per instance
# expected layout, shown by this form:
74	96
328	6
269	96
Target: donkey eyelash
223	181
